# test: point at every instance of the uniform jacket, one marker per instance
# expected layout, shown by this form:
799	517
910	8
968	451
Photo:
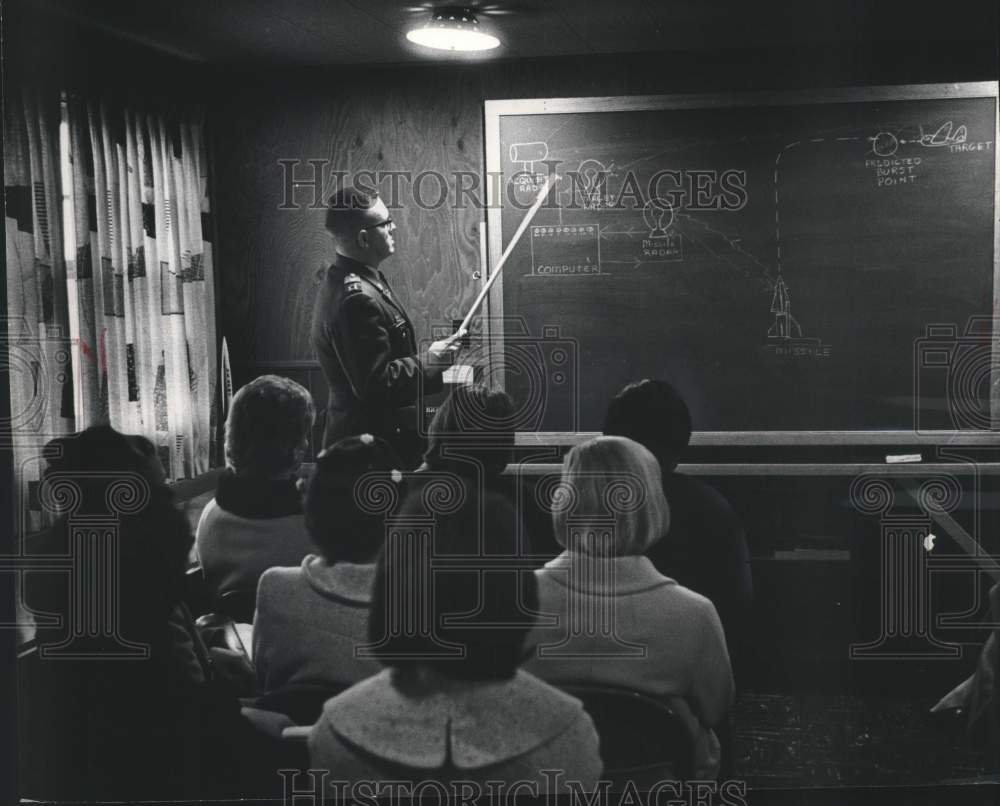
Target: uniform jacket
367	348
706	551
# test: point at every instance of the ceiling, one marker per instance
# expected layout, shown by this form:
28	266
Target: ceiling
325	32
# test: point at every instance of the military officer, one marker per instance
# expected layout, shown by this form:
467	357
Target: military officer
363	337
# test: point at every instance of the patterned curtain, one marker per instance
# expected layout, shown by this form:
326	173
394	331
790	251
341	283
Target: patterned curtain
111	309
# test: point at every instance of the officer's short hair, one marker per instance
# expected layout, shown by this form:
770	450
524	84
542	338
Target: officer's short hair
269	420
346	211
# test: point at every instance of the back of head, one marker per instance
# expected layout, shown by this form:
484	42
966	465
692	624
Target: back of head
349	495
479	609
100	473
605	481
267	430
652	413
347	212
99	452
474	428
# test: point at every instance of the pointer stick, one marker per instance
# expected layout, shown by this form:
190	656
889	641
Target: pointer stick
549	182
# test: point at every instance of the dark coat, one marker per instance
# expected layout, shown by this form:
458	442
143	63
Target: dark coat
706	550
367	348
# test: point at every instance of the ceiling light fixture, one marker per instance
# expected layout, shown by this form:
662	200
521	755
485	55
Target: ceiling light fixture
452	28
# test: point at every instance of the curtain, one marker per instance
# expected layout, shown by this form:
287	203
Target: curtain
109	280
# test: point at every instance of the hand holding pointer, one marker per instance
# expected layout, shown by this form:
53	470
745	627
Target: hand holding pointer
442	351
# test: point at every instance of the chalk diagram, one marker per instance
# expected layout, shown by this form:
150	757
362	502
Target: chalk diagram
890	170
895	155
784	337
526	180
886	144
658	242
658	215
565	249
573	249
593	182
527	154
894	164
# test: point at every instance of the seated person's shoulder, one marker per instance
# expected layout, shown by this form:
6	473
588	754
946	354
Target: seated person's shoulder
682	605
693	492
699	512
685	598
279	576
277	582
208	516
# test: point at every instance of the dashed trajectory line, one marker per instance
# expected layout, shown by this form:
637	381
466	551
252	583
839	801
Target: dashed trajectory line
725	258
733	243
777	199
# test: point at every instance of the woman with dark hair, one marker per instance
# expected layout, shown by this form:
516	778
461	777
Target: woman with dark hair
471	437
450	616
472	434
255	520
121	702
310	618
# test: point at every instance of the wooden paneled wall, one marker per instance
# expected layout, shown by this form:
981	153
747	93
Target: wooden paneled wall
273	257
430	118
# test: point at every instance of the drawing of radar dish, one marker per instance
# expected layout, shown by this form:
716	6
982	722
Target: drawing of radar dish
659	217
528	154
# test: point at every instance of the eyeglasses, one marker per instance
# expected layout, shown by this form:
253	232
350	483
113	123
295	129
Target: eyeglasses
388	223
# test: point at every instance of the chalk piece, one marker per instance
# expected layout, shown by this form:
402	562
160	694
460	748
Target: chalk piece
894	459
459	375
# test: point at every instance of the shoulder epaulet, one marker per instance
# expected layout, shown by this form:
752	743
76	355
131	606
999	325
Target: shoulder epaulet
352	284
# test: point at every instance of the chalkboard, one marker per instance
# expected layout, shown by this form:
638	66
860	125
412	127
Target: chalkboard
822	262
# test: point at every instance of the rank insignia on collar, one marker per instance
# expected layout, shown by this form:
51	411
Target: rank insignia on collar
352	284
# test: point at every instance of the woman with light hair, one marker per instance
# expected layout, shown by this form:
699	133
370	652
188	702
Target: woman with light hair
255	521
618	621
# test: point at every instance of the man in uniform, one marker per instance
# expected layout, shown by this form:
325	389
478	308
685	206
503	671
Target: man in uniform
363	337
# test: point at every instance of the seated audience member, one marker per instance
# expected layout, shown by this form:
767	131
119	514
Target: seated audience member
619	621
974	699
310	619
452	704
99	726
255	521
706	549
472	434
